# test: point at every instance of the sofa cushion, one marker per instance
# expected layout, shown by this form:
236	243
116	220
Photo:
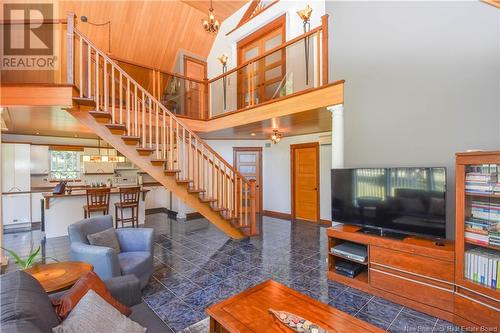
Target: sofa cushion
24	300
136	263
90	281
105	238
94	314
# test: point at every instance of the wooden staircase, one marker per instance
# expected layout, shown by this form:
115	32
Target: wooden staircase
135	123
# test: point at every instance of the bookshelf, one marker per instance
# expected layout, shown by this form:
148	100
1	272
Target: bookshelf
477	239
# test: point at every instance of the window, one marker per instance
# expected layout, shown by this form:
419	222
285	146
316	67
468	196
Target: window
64	164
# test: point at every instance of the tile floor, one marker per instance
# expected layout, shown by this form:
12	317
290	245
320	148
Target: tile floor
196	266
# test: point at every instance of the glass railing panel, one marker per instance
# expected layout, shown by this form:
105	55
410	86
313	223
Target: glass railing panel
180	95
294	68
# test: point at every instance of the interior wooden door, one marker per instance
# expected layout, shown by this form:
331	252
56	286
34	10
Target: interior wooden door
248	162
259	81
305	181
193	98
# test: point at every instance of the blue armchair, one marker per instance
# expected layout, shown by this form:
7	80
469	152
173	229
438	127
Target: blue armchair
136	244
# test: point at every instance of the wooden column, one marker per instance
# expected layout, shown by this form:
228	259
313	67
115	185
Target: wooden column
70	57
324	47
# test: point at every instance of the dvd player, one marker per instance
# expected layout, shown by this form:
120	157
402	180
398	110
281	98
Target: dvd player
349	269
351	251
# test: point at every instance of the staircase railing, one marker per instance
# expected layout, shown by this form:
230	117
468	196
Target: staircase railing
158	130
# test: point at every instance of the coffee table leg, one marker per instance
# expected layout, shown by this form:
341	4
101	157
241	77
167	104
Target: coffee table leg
213	325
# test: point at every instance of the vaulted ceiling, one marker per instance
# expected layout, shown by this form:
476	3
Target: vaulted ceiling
150	32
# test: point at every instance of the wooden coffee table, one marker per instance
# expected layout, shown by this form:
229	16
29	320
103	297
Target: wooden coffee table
59	276
248	312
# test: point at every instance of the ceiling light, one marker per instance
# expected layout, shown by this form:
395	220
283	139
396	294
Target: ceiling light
276	136
37	133
253	134
210	24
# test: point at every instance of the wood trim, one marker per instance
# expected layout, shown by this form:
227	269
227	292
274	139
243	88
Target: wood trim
324	46
246	17
278	215
292	178
65	147
273	25
494	3
45	21
259	149
277	48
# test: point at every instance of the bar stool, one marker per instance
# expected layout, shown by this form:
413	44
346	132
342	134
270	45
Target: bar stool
97	201
129	198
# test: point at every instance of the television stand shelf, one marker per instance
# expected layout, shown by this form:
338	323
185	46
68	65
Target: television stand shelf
413	271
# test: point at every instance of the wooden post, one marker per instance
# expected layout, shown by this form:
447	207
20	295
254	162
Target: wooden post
253	203
324	46
70	56
206	107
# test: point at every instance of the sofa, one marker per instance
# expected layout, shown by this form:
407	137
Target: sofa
136	244
26	307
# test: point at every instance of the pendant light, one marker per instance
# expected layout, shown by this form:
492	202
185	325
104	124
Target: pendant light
210	24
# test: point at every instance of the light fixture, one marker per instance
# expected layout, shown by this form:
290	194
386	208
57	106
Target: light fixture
276	136
253	134
223	60
305	15
103	157
210	24
85	19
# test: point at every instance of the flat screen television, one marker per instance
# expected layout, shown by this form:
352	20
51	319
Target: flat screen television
405	200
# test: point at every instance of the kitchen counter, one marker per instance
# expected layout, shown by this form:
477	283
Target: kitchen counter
80	193
61	210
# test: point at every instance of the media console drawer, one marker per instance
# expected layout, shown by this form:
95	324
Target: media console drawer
416	290
412	263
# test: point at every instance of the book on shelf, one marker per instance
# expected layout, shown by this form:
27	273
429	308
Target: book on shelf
483	266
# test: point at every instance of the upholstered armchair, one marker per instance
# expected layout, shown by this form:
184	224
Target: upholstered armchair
136	244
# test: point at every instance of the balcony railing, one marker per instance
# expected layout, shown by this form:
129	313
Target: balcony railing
298	65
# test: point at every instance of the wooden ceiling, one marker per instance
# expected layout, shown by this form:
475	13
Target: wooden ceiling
48	121
149	32
313	121
53	121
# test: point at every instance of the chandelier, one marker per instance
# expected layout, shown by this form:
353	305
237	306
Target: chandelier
210	24
276	136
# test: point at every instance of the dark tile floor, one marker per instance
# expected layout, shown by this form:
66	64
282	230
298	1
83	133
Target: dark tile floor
196	266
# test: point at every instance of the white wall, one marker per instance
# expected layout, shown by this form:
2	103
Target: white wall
276	170
422	82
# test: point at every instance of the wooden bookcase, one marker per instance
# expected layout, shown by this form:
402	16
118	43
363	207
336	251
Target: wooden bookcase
477	202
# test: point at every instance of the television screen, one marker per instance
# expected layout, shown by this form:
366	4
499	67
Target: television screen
409	200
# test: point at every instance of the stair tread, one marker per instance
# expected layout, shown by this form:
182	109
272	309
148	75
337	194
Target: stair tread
145	149
84	101
100	114
216	209
130	137
195	190
207	199
121	126
172	171
186	181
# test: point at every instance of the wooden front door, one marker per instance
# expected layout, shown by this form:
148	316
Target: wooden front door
305	181
248	162
260	81
194	95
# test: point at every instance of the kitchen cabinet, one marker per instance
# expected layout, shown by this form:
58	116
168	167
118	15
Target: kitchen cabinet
36	214
39	160
99	167
16	167
16	208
